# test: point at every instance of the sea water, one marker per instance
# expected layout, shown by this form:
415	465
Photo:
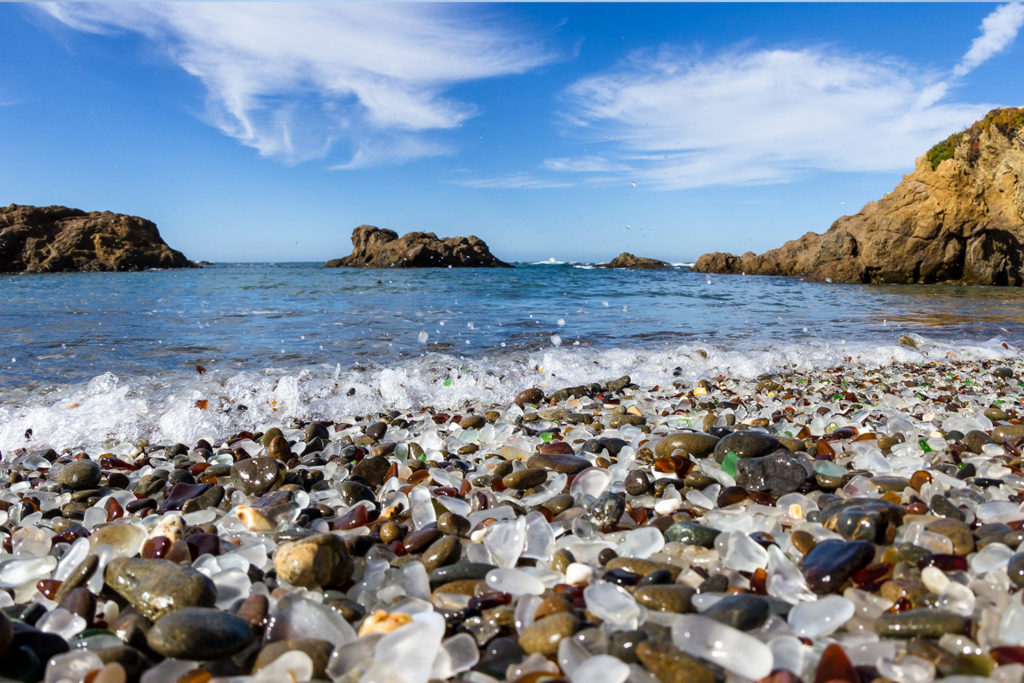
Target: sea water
90	359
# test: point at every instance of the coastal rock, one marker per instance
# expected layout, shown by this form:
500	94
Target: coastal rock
631	262
958	217
374	247
53	239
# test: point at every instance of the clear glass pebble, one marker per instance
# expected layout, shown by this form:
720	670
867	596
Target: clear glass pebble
613	605
723	645
601	669
514	582
820	617
71	667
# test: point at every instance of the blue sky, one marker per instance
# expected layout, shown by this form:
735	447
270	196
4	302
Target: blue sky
574	131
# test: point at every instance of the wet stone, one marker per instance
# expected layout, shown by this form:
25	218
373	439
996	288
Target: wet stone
80	474
525	479
319	652
354	491
637	483
1015	569
372	470
622	645
669	665
461	571
279	448
606	510
863	519
256	476
179	494
445	550
829	564
199	633
745	444
924	623
542	637
497	655
321	560
779	472
450	523
697	444
692	533
743	611
558	462
665	598
956	531
156	587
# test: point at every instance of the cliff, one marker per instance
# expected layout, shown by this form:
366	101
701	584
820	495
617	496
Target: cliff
50	239
958	217
374	247
631	262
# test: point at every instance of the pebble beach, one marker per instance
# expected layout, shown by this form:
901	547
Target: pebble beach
857	523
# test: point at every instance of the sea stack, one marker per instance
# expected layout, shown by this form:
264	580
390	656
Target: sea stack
374	247
958	217
630	262
52	239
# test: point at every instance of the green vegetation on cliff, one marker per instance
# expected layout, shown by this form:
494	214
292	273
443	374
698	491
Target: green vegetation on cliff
1008	121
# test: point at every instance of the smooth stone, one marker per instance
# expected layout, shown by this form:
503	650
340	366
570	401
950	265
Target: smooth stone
745	444
476	571
532	395
199	633
133	661
779	472
82	572
521	480
670	665
640	567
279	448
80	474
606	510
637	483
742	611
863	519
445	550
354	491
542	636
182	492
372	470
319	652
455	525
923	623
975	440
697	444
497	655
665	597
558	462
622	645
1009	432
692	533
956	531
256	476
156	587
1015	569
556	448
321	560
829	564
81	602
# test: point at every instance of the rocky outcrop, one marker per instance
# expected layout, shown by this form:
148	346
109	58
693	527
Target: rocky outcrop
51	239
627	260
959	217
374	247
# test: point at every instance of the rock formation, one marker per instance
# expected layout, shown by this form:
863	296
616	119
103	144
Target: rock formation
958	217
627	260
374	247
51	239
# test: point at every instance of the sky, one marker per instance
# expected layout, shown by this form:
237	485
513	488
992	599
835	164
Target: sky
268	131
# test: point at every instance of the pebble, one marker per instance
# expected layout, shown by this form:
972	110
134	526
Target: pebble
542	636
525	479
157	587
199	633
316	561
922	623
80	474
558	462
829	564
743	611
443	551
665	598
256	476
745	444
318	651
669	665
697	444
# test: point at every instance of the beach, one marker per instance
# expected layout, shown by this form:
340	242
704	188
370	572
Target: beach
861	519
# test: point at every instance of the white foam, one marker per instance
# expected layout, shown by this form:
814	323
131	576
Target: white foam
165	408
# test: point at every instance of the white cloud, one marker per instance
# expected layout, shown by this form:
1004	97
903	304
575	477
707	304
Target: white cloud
757	116
514	181
998	30
293	80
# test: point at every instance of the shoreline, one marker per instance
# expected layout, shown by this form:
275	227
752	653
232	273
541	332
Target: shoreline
571	530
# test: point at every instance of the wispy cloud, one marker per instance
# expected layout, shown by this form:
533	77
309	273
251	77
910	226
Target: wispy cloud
514	181
998	30
295	81
673	119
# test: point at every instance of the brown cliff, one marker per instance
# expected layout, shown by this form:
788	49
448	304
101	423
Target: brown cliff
374	247
51	239
958	217
631	262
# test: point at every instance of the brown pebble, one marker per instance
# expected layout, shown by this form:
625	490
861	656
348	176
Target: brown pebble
254	610
803	541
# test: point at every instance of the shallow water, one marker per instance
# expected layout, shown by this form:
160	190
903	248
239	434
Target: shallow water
293	340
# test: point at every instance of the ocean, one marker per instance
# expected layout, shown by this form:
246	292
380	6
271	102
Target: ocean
92	359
